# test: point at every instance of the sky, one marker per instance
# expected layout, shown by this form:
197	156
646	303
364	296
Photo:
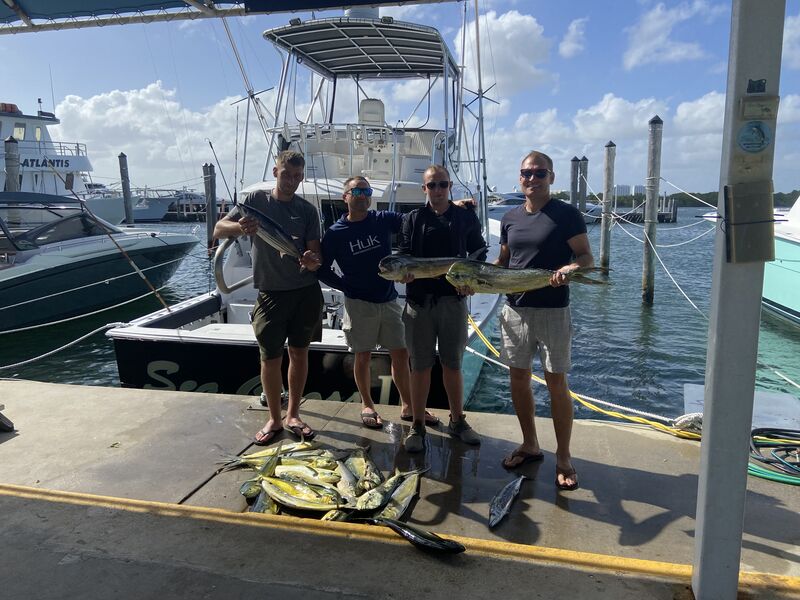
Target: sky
565	77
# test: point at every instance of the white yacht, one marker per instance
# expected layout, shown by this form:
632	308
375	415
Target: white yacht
207	343
54	167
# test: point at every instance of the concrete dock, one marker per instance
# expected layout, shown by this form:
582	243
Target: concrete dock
116	492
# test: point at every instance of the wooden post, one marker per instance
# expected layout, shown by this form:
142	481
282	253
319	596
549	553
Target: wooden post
210	182
573	185
651	208
126	188
582	179
608	194
12	164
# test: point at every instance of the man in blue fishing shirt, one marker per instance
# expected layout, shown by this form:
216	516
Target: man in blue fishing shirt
357	242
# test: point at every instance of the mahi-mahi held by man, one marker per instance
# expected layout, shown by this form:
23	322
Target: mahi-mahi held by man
493	279
397	266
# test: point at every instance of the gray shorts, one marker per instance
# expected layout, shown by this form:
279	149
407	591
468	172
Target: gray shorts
443	319
524	331
367	325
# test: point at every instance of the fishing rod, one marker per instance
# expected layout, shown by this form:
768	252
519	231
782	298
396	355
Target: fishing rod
108	232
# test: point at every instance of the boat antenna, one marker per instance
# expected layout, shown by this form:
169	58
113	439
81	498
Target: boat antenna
52	93
219	167
108	232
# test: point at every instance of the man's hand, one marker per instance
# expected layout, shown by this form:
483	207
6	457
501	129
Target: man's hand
311	261
464	290
407	278
466	203
249	225
561	277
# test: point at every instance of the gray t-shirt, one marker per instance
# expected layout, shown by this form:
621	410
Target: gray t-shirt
299	218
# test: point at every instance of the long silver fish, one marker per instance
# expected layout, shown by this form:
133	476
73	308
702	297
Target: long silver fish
421	538
348	482
271	232
493	279
501	503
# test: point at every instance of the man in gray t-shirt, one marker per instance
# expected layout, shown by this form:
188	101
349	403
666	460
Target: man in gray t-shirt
289	305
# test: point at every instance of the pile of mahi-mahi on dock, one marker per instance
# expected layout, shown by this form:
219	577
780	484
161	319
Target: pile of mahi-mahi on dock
304	479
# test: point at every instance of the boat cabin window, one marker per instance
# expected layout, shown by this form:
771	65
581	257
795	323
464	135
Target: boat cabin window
71	228
38	133
19	131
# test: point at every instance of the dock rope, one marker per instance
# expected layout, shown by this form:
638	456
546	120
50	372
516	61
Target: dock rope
785	443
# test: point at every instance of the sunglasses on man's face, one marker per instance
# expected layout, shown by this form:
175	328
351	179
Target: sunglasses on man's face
443	185
538	173
356	192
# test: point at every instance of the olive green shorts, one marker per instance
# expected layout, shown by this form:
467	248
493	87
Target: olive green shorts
293	315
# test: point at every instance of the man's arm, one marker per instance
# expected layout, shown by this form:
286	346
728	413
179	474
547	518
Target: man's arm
475	240
312	257
583	258
326	273
404	239
232	225
504	256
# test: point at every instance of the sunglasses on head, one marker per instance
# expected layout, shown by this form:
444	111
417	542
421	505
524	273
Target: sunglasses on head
441	184
538	173
356	191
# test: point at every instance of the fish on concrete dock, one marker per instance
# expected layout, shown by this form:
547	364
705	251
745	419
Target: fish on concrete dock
501	503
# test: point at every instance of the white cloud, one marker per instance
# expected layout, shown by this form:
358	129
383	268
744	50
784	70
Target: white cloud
650	41
512	47
615	118
574	40
165	143
791	42
704	115
789	109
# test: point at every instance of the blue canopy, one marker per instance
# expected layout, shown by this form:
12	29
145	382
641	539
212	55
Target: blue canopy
20	16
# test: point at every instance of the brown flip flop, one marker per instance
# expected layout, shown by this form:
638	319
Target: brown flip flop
566	473
371	419
264	437
431	420
304	432
525	458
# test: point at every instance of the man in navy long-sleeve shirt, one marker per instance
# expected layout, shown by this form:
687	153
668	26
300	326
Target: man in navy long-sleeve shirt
357	242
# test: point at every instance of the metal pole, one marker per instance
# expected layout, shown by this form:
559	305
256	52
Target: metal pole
12	164
210	182
484	187
573	186
126	188
741	247
582	183
651	208
608	194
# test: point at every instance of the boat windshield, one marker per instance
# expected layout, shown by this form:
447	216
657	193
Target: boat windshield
27	227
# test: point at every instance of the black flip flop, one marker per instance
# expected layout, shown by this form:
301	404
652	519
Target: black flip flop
527	457
431	420
267	436
298	431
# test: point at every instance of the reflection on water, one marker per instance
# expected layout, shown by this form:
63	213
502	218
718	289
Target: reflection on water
623	352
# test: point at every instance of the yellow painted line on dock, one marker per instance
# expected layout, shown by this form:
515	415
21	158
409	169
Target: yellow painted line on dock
491	548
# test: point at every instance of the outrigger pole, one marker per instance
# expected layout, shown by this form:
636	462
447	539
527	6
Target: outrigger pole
484	189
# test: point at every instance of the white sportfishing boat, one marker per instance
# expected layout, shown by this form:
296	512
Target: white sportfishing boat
54	167
207	343
781	293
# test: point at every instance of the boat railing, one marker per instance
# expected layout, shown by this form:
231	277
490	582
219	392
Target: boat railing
381	151
50	148
219	276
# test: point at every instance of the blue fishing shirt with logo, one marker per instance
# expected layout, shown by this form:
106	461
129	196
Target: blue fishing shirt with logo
357	247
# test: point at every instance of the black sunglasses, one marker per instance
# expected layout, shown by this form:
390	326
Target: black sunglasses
538	173
442	185
356	191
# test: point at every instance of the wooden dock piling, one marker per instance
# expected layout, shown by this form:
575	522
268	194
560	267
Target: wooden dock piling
651	208
608	194
126	188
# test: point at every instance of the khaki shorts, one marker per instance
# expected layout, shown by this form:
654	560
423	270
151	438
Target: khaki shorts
367	325
443	319
526	331
295	315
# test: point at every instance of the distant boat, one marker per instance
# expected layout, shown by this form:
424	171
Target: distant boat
781	293
55	167
501	203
